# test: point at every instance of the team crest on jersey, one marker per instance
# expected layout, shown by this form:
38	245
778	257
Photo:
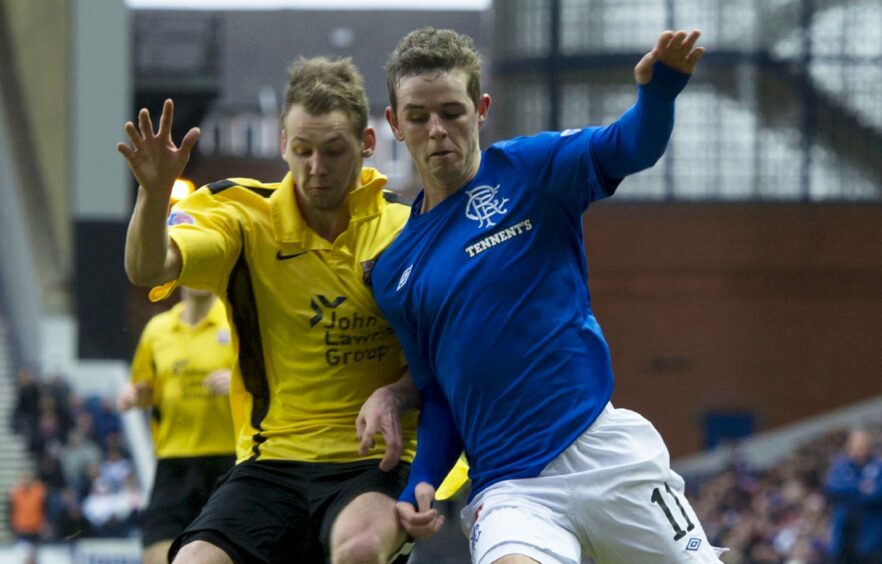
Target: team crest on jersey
484	203
223	337
180	218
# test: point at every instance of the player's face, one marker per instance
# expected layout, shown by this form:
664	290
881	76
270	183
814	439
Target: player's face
439	123
324	156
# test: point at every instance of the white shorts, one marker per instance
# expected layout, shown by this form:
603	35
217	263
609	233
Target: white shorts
611	494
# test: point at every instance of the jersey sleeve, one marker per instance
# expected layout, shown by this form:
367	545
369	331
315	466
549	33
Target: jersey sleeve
579	166
438	443
208	236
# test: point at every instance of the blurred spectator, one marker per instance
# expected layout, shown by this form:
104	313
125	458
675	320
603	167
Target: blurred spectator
69	523
109	513
27	406
77	456
49	469
105	419
116	469
854	487
27	512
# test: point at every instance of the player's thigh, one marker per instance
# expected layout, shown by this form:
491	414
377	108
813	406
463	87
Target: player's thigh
629	506
366	525
157	553
258	514
360	517
202	552
516	559
514	529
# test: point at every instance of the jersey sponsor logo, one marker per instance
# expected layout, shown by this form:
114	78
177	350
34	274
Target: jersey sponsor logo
325	303
352	337
483	204
693	544
404	277
280	256
499	237
180	218
568	132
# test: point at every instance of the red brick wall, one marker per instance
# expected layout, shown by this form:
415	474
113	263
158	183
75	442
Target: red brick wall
774	308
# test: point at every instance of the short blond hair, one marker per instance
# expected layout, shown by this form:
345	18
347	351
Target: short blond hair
323	85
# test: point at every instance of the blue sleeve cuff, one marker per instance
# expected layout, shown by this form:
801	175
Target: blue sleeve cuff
666	82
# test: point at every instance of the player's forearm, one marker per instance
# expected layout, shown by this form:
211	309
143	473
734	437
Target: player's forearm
638	139
438	444
149	257
405	393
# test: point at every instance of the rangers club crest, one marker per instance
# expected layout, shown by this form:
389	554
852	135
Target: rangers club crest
484	203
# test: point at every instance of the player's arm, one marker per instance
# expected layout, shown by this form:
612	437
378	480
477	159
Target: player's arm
639	138
381	413
139	391
156	162
438	447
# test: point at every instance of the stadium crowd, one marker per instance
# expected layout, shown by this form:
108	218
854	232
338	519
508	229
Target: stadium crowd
82	469
778	515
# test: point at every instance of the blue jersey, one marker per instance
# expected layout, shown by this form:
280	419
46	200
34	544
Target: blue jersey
488	295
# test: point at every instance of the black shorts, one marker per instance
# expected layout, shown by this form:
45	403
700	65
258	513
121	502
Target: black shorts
277	511
180	489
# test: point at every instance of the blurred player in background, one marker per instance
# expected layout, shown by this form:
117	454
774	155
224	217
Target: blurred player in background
293	262
181	371
486	289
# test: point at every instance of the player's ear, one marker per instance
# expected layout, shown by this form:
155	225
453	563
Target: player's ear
368	142
483	108
283	142
392	119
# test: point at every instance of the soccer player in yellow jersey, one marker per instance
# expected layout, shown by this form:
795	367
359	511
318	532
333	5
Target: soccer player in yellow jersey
292	260
181	371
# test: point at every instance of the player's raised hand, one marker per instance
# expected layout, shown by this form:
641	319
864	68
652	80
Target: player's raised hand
423	521
381	414
676	49
154	159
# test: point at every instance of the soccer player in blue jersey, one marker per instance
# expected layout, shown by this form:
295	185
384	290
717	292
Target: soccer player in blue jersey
486	289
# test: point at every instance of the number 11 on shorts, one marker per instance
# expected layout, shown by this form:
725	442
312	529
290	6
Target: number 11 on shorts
657	497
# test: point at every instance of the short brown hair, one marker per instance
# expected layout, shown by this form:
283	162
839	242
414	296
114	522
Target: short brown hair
430	49
321	86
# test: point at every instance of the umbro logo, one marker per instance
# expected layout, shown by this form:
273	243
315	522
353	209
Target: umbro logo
404	277
280	256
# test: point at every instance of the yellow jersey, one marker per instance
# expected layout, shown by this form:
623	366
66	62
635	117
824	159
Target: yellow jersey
173	357
310	341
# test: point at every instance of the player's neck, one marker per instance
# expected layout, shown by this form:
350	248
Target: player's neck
436	189
329	224
196	308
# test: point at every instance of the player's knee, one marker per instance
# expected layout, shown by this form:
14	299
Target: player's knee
362	548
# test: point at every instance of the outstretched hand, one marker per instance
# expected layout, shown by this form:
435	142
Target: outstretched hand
154	159
423	521
675	49
380	414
